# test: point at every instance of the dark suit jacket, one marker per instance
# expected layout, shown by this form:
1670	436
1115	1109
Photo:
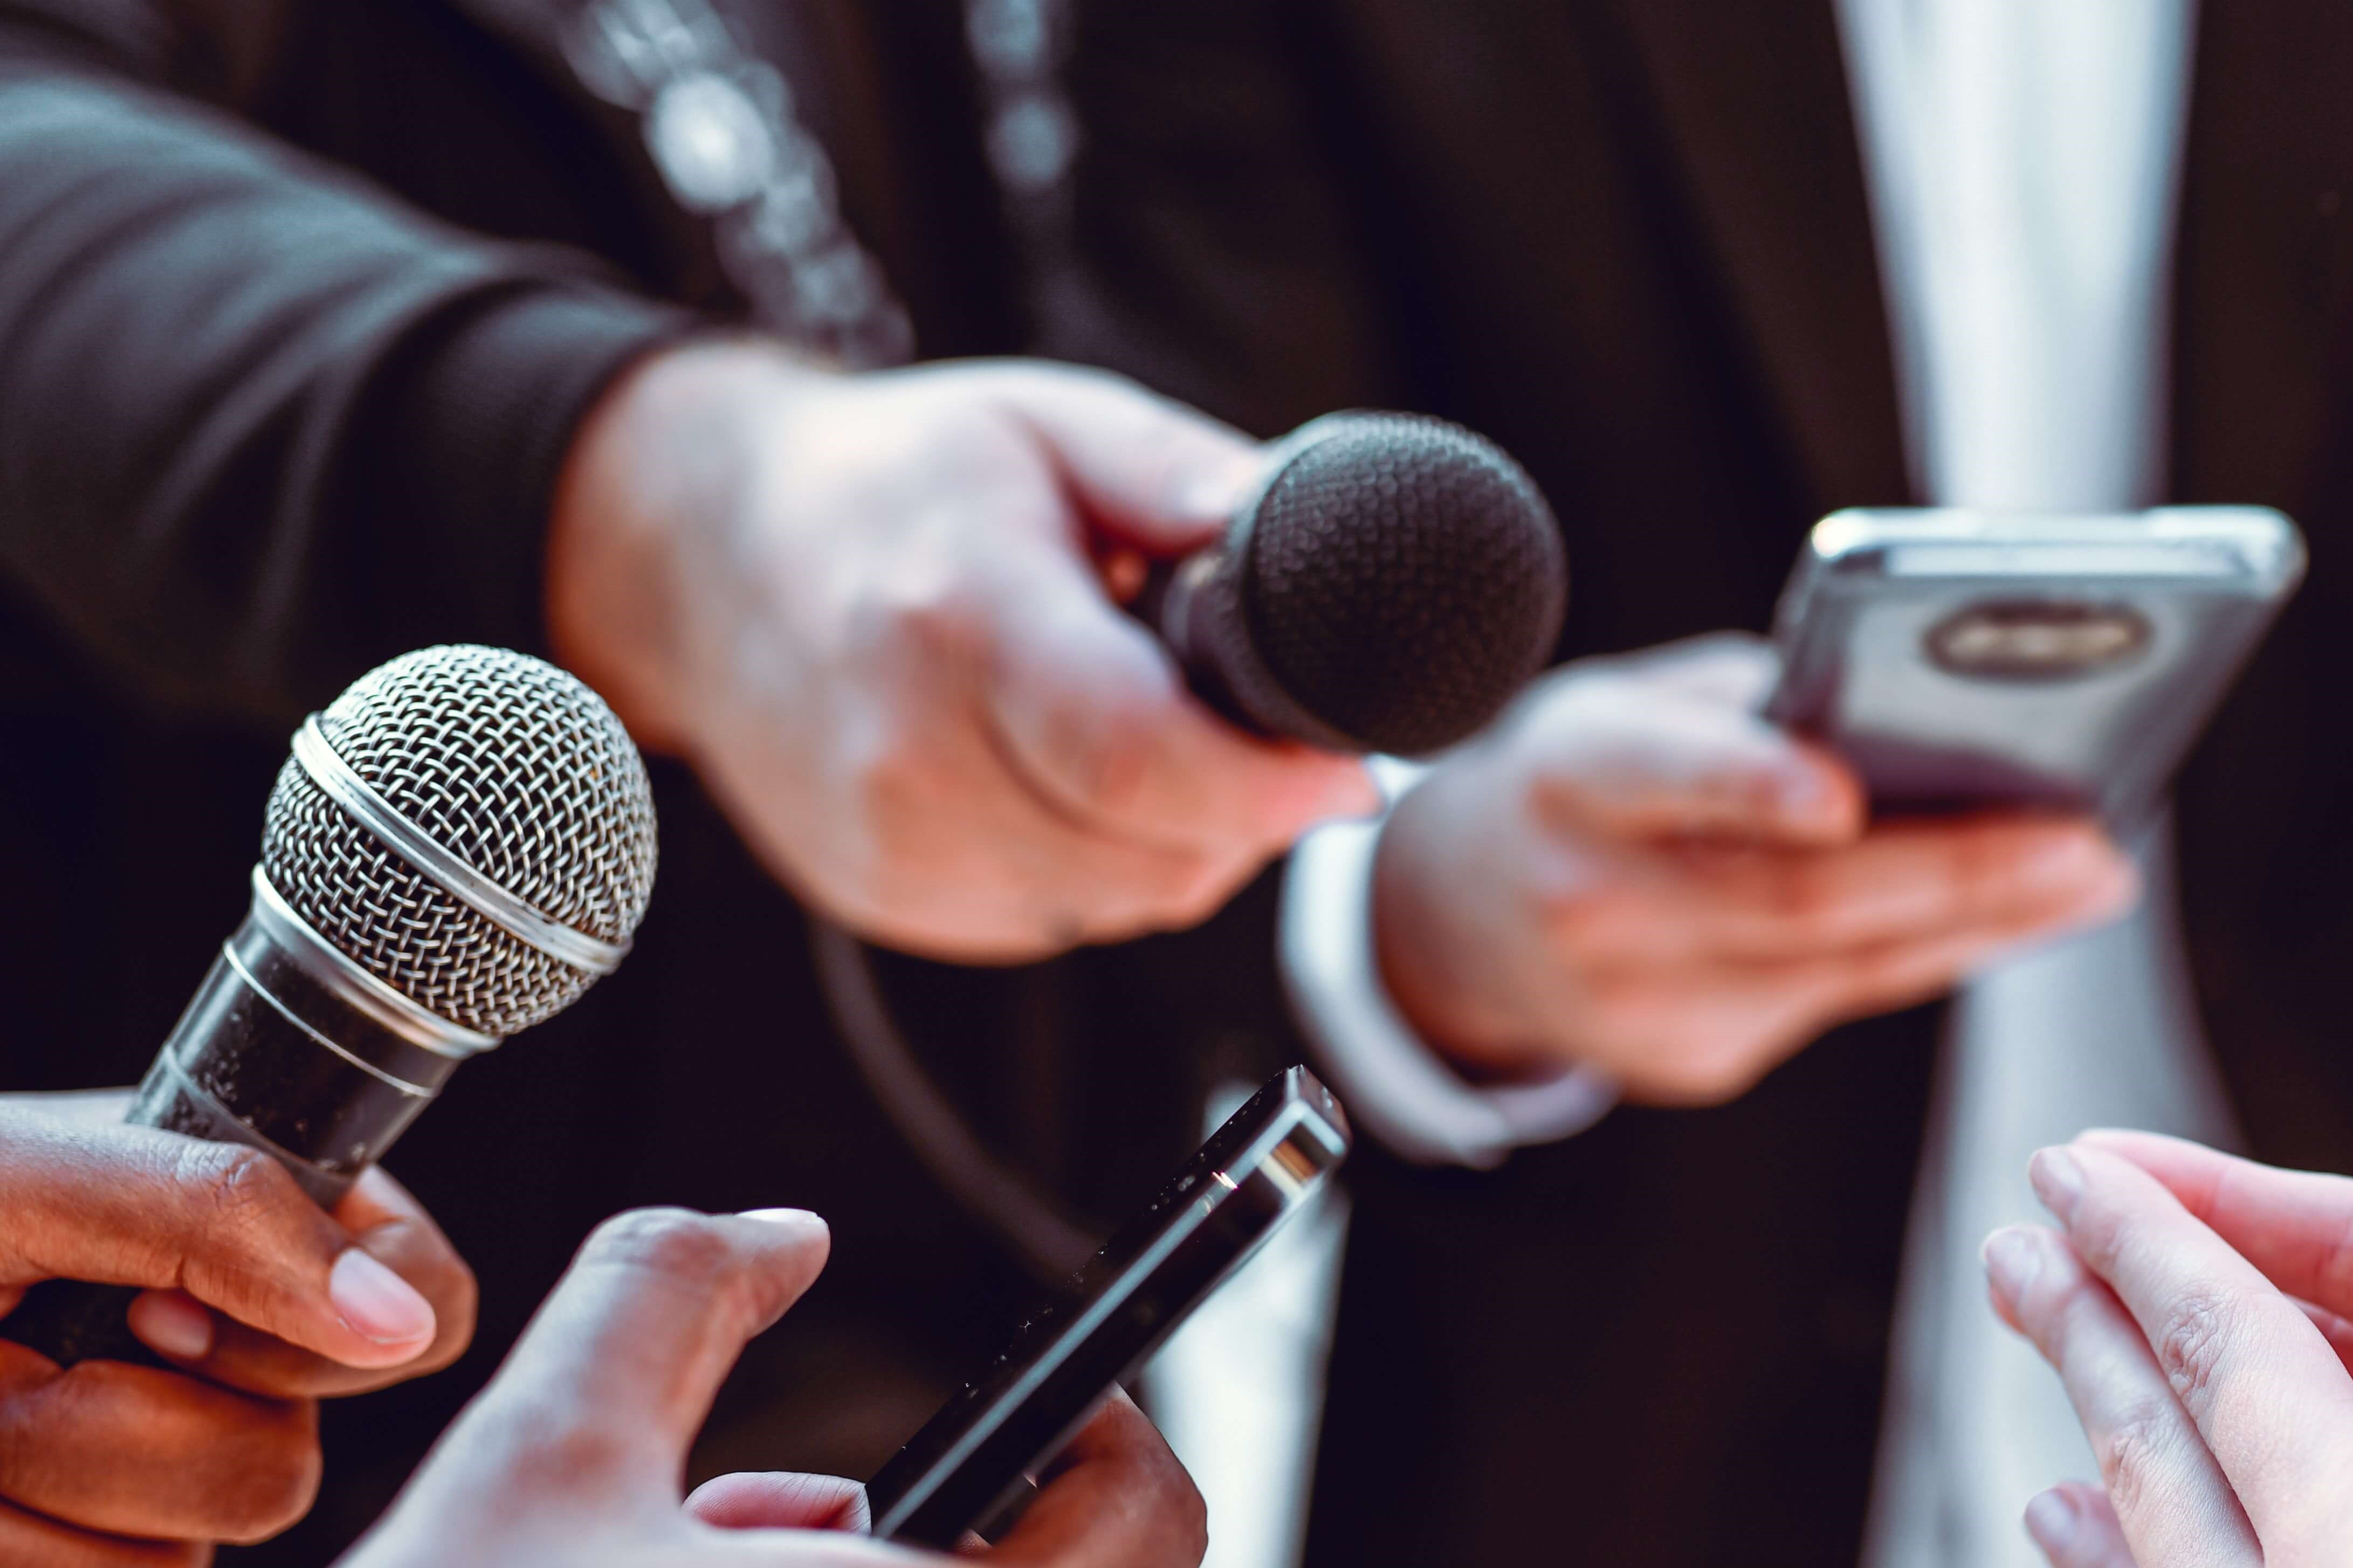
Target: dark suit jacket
1629	239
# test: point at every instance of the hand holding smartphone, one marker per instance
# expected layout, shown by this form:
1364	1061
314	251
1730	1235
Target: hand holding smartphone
1960	659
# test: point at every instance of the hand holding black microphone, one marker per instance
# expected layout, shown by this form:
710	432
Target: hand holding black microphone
870	611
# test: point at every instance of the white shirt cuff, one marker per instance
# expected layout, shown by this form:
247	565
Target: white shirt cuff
1393	1084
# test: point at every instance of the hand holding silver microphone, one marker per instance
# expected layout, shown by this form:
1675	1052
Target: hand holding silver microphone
460	845
260	1304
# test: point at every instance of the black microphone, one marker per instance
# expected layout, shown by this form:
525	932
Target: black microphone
1393	582
462	844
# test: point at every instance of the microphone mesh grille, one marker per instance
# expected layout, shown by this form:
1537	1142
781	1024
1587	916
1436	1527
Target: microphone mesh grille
1405	579
509	764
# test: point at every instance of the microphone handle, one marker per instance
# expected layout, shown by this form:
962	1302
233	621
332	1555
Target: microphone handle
272	1053
1195	606
1168	603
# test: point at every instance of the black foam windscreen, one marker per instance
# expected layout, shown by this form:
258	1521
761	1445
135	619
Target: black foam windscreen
1402	579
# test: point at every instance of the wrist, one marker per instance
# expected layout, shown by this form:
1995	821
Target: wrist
1453	1003
658	478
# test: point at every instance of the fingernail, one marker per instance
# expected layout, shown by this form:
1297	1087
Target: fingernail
377	1303
173	1324
2058	1181
791	1219
2012	1261
2052	1519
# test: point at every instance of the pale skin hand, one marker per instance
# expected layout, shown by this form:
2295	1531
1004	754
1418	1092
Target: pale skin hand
264	1302
2195	1305
870	610
573	1454
1634	872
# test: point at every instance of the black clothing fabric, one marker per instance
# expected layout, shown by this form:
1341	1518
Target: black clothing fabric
260	426
299	306
1629	239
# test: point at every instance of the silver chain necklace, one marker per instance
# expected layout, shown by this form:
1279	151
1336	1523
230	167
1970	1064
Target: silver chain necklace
719	125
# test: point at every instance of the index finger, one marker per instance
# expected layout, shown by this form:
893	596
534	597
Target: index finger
394	1228
2296	1226
2265	1388
1097	716
1904	880
1642	755
1152	471
131	1206
1116	1499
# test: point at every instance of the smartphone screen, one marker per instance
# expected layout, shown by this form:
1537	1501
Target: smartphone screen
1107	1319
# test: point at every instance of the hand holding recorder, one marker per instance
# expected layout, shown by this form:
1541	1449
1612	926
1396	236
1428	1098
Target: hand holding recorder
573	1454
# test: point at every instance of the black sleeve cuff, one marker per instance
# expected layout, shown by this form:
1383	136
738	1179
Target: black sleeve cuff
468	438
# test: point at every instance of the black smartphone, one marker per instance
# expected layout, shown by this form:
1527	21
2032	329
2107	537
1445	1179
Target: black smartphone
975	1456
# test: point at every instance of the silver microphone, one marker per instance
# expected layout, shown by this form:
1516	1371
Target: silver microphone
462	844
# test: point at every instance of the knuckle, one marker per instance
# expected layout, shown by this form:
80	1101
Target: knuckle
2133	1454
925	619
2096	1231
273	1489
936	623
2191	1342
2336	1268
893	774
1577	921
239	1186
1101	743
678	1244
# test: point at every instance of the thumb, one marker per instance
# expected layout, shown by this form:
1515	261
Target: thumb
131	1206
1148	471
618	1369
1641	758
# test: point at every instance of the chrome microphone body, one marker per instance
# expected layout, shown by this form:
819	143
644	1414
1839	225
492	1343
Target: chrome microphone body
459	846
294	1049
